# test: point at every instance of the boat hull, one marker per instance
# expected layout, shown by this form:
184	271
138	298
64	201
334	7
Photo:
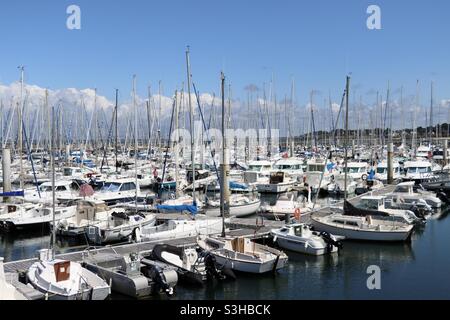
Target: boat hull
237	211
364	235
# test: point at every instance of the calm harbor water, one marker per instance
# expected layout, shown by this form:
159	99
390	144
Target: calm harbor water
417	270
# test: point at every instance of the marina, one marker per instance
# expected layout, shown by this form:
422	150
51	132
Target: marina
229	163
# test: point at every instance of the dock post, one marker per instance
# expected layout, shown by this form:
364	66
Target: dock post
68	154
390	178
6	166
445	152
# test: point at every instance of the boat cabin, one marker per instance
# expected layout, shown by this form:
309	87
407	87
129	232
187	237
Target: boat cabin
259	166
88	209
416	169
277	177
119	185
405	188
289	165
316	165
60	186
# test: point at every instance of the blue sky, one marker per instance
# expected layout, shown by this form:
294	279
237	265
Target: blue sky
317	42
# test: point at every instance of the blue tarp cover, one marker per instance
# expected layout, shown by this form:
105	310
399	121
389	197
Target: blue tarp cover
191	209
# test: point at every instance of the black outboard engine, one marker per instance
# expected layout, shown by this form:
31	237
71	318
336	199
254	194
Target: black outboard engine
443	197
157	274
330	241
212	269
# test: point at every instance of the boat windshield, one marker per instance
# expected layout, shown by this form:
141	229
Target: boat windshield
419	170
381	170
353	170
254	168
316	168
45	188
111	187
402	189
287	167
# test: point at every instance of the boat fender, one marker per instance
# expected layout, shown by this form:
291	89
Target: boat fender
297	214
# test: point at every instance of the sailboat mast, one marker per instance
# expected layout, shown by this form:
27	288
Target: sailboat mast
347	94
431	114
191	110
52	165
116	120
135	137
176	144
20	137
224	188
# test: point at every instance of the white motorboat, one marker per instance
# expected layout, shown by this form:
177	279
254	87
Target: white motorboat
418	171
114	191
408	194
317	176
65	280
382	171
121	225
7	290
300	238
176	229
362	228
376	205
244	255
36	216
63	189
423	153
356	170
292	167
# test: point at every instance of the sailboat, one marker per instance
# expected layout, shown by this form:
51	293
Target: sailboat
62	279
239	254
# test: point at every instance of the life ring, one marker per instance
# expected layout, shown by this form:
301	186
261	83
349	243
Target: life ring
364	177
297	214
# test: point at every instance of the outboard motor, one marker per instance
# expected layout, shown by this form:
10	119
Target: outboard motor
443	197
165	279
330	241
212	269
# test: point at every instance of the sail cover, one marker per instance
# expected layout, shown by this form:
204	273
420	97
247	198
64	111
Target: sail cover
234	185
181	208
12	194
